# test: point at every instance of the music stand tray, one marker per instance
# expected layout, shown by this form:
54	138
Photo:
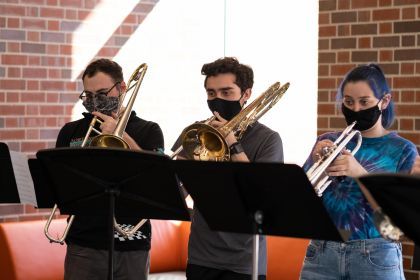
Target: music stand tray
257	198
399	197
108	182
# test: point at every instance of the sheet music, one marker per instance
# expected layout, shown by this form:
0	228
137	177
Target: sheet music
24	182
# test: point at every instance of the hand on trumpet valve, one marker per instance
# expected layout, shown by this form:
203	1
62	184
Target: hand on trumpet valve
108	122
346	165
322	148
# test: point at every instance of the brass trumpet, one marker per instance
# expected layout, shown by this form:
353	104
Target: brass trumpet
114	140
203	142
316	174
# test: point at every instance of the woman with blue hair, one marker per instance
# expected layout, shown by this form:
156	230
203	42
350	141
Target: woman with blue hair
364	97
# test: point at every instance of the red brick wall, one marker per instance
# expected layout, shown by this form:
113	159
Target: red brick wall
37	93
353	32
363	31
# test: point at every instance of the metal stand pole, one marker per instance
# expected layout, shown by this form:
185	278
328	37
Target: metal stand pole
112	194
258	219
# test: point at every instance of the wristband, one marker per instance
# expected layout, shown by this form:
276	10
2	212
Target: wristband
236	148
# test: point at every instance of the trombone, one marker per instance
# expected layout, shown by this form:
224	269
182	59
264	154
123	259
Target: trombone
203	142
316	174
114	140
181	148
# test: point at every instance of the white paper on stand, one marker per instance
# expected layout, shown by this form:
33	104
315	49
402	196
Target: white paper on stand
24	182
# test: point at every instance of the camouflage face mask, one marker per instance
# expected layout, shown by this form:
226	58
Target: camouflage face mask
101	103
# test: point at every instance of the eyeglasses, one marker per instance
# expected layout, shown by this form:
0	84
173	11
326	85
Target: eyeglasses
87	94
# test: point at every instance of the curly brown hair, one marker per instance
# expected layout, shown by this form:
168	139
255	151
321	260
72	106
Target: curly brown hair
243	73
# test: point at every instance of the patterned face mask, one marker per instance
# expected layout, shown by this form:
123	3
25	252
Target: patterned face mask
102	103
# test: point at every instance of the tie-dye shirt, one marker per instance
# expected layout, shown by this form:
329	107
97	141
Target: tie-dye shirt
343	198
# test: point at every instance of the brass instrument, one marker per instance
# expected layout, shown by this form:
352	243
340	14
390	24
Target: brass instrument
181	148
114	140
316	174
203	142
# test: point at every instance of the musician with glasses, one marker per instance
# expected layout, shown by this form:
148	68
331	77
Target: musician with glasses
222	255
87	240
364	97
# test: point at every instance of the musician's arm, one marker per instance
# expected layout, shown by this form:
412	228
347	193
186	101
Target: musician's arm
130	141
232	141
64	136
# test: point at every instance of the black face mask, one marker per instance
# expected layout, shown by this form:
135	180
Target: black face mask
365	119
227	109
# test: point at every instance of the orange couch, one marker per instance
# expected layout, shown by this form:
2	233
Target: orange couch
25	253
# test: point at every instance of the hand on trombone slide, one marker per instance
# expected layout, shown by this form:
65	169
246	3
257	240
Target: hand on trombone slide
108	126
108	123
217	122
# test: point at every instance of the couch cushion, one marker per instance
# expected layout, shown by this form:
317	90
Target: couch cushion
175	275
27	254
285	257
169	246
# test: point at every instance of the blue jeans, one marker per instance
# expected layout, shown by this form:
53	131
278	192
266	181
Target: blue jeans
369	259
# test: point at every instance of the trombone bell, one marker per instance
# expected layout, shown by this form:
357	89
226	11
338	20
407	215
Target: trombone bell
109	140
201	141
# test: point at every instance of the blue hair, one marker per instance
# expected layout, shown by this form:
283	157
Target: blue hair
374	76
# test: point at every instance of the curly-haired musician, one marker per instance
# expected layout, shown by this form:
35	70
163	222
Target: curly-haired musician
222	255
364	97
87	241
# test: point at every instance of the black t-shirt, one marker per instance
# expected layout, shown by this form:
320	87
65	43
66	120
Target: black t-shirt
90	231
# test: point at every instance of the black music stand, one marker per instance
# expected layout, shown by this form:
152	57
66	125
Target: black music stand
8	186
257	198
43	189
416	258
399	197
103	182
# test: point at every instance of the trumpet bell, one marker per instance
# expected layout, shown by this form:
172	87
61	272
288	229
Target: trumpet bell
204	142
109	141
